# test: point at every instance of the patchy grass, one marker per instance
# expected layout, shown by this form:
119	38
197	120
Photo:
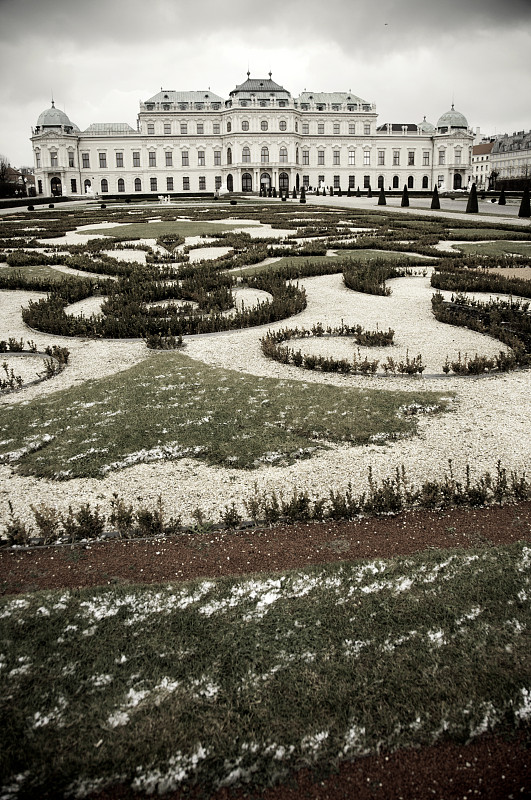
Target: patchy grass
243	679
501	248
171	406
358	256
152	230
483	232
39	271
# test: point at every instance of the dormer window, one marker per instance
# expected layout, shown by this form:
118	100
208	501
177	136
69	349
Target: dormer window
282	103
150	106
183	106
166	106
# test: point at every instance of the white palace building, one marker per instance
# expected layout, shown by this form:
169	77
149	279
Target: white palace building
260	137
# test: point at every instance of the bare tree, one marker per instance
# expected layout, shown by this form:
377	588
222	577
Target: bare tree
4	166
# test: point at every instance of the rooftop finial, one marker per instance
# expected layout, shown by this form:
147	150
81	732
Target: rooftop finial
270	74
248	73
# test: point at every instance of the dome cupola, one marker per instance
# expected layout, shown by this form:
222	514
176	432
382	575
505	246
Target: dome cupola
452	120
54	119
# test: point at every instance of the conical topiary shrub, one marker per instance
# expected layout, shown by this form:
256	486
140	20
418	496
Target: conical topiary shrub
381	199
472	205
303	195
358	193
369	191
349	193
331	191
294	194
502	201
525	210
405	198
339	192
435	202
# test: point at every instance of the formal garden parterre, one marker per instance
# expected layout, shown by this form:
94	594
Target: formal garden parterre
324	364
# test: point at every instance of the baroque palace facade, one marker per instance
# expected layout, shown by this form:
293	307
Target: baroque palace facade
260	137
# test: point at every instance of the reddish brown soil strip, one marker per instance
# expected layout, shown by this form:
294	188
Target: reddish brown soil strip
218	554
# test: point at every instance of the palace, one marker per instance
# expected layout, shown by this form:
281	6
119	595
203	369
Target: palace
260	137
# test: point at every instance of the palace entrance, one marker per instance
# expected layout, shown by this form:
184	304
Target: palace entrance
265	181
283	182
247	182
55	186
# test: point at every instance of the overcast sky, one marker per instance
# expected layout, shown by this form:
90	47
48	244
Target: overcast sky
413	58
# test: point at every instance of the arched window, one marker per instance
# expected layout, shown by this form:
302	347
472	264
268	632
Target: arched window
297	155
283	155
283	182
246	155
104	185
87	185
247	182
229	127
282	125
380	181
263	125
425	182
230	183
229	155
395	181
265	155
138	185
121	185
245	125
410	182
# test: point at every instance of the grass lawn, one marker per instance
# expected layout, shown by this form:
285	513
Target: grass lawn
244	678
357	256
152	230
500	248
171	406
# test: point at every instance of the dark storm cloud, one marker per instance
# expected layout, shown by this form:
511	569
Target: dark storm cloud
358	24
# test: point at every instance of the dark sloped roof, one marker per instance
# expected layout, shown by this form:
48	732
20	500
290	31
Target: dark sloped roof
397	127
258	85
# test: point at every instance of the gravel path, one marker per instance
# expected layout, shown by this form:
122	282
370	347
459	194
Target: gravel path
490	419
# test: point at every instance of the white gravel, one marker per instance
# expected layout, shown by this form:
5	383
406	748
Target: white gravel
490	419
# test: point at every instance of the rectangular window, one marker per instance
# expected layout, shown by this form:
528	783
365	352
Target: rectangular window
411	158
336	128
169	184
37	159
202	184
306	157
320	128
367	128
85	160
381	158
216	130
184	158
396	158
352	128
119	159
337	155
70	159
336	182
217	182
320	156
351	158
200	158
305	127
200	128
136	159
425	159
351	182
53	159
152	159
184	128
169	158
103	160
153	184
167	128
186	184
73	185
366	158
440	181
458	157
305	180
442	157
320	180
151	129
366	181
217	158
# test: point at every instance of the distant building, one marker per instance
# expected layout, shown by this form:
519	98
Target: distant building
260	137
511	160
481	165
